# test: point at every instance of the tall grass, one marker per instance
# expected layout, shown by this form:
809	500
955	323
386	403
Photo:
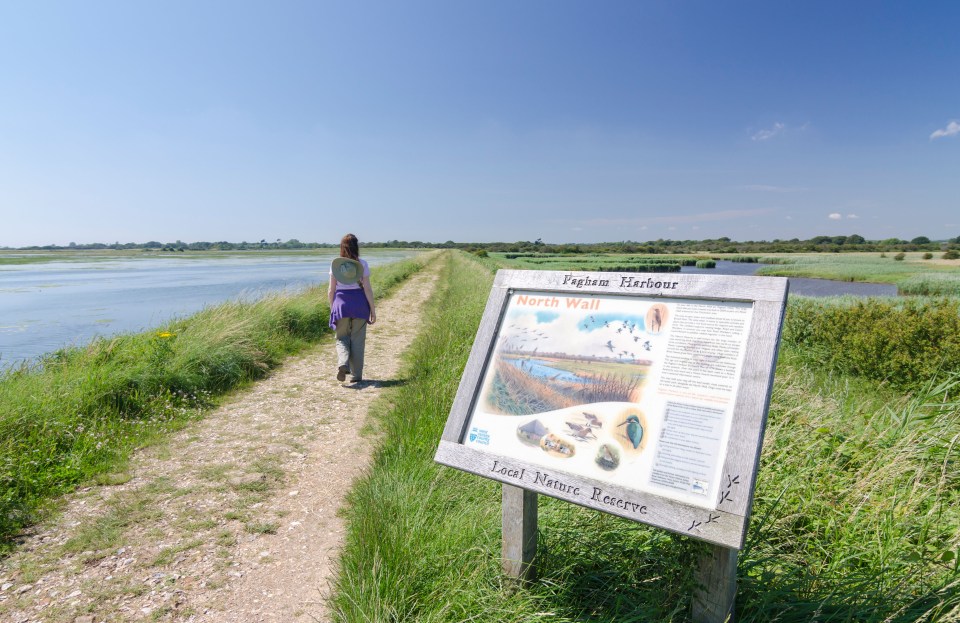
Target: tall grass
517	392
80	412
856	515
913	276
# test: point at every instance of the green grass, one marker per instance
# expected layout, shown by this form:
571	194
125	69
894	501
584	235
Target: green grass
913	275
856	516
78	414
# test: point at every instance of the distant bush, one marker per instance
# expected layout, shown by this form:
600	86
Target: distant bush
481	253
706	264
748	259
952	254
905	343
899	256
928	256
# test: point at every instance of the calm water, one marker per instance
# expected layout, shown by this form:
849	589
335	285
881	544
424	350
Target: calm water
47	306
800	285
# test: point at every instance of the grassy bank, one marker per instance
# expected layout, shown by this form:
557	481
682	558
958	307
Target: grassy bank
856	515
912	274
78	414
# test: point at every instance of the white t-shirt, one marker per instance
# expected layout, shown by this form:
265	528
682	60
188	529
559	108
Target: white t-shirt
352	286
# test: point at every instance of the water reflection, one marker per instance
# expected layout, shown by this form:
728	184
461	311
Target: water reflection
47	306
802	286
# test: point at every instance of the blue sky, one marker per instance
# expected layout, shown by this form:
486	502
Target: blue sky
477	121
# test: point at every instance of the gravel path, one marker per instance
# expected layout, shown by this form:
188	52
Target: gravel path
235	519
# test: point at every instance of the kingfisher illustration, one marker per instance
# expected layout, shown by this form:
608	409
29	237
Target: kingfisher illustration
634	430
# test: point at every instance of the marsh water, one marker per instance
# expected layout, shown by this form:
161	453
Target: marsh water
50	305
802	286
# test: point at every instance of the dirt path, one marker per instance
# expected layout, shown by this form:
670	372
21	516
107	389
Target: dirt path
235	519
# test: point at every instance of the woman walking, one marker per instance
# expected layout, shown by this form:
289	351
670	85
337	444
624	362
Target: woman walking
351	307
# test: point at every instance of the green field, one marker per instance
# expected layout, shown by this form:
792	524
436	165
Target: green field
856	513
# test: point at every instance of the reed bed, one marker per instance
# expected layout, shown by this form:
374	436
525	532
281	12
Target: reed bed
855	518
78	414
515	392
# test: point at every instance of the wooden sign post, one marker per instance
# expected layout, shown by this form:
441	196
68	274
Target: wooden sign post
643	396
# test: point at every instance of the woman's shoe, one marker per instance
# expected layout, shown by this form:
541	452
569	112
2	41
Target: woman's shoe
342	373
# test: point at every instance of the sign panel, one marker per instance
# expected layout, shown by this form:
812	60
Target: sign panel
640	395
635	391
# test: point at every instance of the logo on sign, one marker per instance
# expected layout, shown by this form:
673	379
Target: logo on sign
479	435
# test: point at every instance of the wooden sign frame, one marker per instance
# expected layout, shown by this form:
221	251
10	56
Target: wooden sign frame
721	520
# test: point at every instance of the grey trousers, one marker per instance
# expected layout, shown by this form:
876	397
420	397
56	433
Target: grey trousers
351	336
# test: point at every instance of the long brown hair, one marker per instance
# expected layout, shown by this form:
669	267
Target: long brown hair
350	247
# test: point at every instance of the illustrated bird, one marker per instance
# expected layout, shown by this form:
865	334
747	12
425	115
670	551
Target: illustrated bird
580	431
610	345
592	420
646	345
636	338
657	320
634	430
606	459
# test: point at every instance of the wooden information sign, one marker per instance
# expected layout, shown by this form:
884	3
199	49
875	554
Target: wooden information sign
640	395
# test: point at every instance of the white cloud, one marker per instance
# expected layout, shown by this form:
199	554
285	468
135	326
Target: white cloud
836	216
852	216
765	135
952	129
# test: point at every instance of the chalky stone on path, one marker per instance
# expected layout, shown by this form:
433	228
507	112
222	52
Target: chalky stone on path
235	519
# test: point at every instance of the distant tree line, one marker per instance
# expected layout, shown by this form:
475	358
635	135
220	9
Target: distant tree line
820	244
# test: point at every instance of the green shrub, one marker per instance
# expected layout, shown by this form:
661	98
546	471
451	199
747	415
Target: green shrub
952	254
706	264
899	256
928	256
905	343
